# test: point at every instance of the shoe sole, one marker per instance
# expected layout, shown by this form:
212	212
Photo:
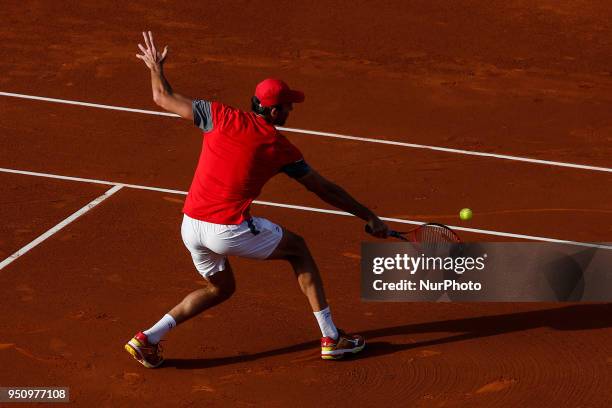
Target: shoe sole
135	352
338	354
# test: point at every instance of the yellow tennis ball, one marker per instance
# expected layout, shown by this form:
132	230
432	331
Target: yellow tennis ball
465	214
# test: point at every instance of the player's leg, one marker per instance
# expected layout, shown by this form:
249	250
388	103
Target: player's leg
260	238
144	346
218	288
334	343
293	248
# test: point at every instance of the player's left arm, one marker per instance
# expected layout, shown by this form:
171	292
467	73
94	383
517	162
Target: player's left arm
163	95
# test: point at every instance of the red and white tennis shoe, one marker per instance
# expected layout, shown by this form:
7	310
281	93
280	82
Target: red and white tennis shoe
149	355
345	344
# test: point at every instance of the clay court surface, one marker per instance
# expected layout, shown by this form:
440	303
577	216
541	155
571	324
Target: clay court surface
530	79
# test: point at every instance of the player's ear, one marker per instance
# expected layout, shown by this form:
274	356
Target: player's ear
274	112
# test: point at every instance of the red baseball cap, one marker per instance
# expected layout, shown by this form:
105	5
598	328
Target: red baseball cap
272	92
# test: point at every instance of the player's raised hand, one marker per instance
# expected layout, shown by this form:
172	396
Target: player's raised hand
151	57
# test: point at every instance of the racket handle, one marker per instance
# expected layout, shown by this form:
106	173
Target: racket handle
390	233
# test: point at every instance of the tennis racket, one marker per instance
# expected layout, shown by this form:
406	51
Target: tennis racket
431	232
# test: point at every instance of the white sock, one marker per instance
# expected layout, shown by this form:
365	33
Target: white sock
327	326
159	330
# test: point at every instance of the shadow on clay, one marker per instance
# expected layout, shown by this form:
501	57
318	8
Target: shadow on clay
574	317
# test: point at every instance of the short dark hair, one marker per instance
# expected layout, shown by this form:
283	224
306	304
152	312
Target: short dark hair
261	110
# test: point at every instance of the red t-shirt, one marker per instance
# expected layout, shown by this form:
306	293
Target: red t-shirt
240	153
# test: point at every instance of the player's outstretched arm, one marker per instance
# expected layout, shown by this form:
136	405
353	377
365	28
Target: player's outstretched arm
162	91
335	195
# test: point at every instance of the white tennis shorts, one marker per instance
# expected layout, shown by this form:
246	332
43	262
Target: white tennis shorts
209	244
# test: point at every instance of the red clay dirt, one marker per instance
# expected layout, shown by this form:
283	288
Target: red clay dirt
30	206
514	77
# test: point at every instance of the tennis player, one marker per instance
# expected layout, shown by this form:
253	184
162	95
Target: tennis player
241	152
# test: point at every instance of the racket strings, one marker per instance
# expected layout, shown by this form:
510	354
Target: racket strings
435	234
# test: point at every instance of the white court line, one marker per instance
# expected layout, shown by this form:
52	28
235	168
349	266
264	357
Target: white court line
474	230
91	105
312	209
450	150
339	136
59	226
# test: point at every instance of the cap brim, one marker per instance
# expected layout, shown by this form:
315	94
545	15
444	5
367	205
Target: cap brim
294	96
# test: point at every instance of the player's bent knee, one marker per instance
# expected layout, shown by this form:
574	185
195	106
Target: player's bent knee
222	284
299	244
296	244
223	292
290	247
